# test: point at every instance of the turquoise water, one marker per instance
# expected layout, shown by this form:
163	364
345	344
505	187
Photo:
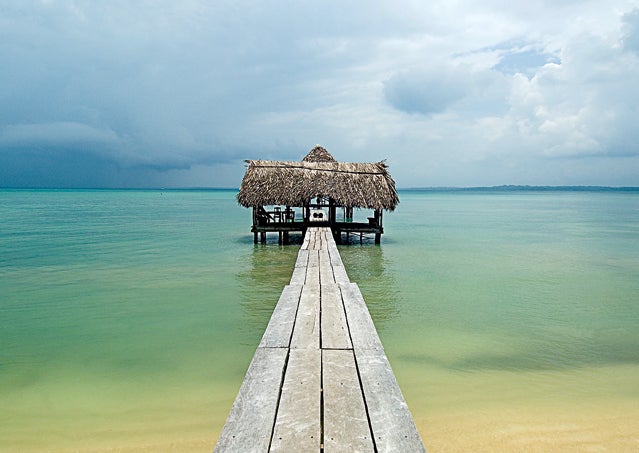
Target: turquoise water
128	318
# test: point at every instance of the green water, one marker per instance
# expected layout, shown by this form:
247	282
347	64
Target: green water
511	319
128	318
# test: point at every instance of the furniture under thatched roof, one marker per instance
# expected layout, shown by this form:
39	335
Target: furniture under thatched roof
352	185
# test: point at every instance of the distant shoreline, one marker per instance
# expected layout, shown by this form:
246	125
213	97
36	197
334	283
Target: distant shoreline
502	188
515	188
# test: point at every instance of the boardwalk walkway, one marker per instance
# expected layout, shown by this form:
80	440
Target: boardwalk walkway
320	380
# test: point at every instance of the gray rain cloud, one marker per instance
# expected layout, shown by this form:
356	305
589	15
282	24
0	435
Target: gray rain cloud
425	92
145	94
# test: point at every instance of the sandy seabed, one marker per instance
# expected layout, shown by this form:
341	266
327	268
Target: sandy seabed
607	430
597	430
613	428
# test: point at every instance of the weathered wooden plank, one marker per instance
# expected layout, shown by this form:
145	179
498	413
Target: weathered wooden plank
326	270
306	333
312	238
313	258
340	275
346	427
360	323
333	252
302	258
392	424
249	425
297	425
321	241
313	271
307	240
339	271
313	277
299	276
322	237
335	333
324	257
280	327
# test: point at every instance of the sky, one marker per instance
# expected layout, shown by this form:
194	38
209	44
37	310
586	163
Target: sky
461	93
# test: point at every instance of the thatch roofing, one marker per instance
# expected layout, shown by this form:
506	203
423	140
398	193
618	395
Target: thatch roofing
319	154
358	185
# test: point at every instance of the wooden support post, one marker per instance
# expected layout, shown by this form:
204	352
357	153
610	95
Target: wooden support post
286	241
279	237
263	237
378	238
332	211
337	235
254	214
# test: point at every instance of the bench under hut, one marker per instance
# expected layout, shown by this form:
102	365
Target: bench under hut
318	191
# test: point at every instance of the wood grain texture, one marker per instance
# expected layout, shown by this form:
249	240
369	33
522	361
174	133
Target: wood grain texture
302	258
249	425
313	270
360	323
340	275
280	327
306	333
313	258
297	425
392	423
346	427
339	271
299	276
333	253
335	333
326	269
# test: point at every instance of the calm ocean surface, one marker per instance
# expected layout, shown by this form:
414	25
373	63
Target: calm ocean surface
128	318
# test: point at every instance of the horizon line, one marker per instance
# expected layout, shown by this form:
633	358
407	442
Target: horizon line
522	187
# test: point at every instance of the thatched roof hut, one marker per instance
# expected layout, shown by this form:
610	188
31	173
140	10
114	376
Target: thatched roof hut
351	185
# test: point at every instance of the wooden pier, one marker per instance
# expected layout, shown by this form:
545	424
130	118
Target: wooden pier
320	380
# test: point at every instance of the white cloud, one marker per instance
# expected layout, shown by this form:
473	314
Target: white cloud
631	31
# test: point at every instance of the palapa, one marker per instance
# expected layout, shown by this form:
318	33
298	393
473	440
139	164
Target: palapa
351	185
